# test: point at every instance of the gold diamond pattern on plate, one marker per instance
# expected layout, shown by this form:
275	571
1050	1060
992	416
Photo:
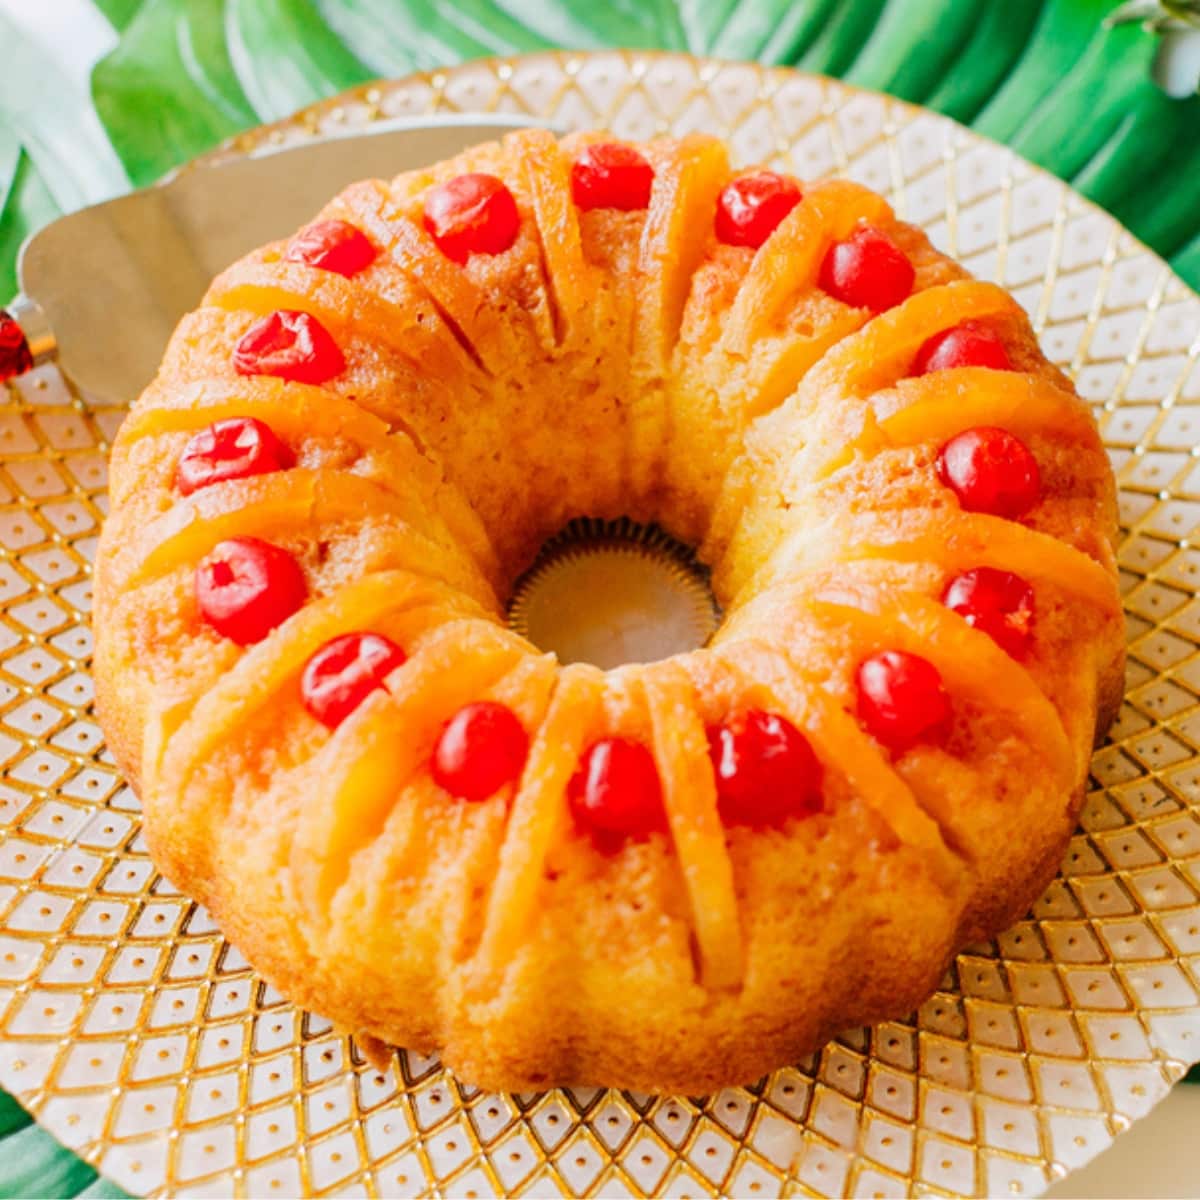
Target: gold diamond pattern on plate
140	1038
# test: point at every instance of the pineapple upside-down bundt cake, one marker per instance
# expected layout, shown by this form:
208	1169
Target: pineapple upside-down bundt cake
669	876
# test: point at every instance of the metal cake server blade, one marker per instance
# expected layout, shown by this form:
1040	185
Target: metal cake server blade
103	288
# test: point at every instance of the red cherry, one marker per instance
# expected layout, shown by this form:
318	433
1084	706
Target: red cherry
334	246
344	672
246	587
471	214
967	345
15	355
990	471
289	345
997	602
766	772
482	747
749	208
901	700
615	794
231	449
609	175
867	271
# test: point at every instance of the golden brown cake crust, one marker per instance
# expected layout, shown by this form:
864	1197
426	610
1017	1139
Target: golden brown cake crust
608	363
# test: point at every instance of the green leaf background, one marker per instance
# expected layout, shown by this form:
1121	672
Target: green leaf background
1045	76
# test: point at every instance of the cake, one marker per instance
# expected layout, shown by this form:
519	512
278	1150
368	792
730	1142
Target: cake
670	876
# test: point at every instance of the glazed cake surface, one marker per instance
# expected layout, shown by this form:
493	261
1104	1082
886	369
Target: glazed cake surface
671	876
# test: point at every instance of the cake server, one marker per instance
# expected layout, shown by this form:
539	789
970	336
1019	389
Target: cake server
103	288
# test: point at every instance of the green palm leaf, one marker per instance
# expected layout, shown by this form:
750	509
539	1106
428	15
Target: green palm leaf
55	124
285	56
169	91
187	74
32	1163
119	12
772	32
54	154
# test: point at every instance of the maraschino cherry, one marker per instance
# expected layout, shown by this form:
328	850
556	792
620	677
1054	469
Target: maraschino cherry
289	345
15	355
766	772
967	345
990	471
751	206
234	448
344	672
334	246
610	175
246	587
901	700
482	748
615	794
996	602
868	270
471	214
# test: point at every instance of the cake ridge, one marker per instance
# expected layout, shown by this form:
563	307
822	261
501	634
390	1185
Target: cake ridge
431	668
912	824
383	593
299	409
389	232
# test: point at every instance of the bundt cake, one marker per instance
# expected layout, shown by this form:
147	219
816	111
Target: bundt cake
670	876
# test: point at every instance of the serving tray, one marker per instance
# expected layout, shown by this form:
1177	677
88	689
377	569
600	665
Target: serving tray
142	1040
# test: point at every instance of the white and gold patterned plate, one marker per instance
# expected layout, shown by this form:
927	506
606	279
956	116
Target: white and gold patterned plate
141	1039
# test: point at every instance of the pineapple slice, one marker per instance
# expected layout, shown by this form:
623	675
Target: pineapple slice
883	350
929	409
690	799
539	812
293	410
677	233
791	259
573	283
954	540
275	506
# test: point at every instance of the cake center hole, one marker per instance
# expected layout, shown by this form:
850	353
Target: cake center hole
614	592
